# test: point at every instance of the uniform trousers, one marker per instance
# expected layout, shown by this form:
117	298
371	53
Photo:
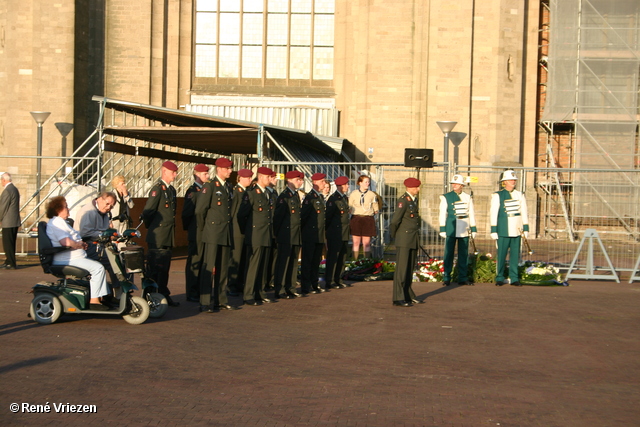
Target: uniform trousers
463	257
510	245
254	285
159	264
286	269
336	257
403	277
311	257
238	265
9	237
214	273
192	269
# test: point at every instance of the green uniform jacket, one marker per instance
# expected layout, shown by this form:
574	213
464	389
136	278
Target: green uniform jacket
312	218
189	222
405	223
255	218
286	218
337	217
159	215
213	213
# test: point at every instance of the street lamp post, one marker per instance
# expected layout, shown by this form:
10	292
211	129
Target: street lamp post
40	117
446	127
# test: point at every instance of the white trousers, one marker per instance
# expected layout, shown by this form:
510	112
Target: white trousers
98	281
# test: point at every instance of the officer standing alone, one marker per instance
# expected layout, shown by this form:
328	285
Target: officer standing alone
405	229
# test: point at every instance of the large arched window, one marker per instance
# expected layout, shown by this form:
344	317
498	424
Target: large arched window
287	41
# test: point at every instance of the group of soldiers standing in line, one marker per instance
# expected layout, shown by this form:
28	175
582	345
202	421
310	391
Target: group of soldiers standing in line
243	238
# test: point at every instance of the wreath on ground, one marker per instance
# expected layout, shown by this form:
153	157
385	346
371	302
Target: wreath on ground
482	269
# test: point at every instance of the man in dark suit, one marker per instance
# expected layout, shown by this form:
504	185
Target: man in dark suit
337	232
159	216
255	218
213	214
238	265
286	227
312	225
405	229
10	219
189	223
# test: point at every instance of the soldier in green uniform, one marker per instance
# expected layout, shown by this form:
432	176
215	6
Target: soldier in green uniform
337	233
286	227
213	214
457	221
312	225
189	224
159	216
272	193
509	220
255	218
405	229
238	265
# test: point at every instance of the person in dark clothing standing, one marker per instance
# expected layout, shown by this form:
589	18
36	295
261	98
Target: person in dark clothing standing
286	227
238	265
10	219
255	218
213	214
405	229
159	216
313	238
190	225
337	232
272	252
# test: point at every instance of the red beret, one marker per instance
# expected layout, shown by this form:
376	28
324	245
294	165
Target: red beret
342	180
294	174
201	168
273	173
318	176
265	171
223	162
245	173
412	182
170	165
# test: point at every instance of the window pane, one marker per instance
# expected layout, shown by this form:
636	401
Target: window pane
252	28
229	5
253	5
229	61
206	28
325	6
323	35
207	5
278	6
301	30
300	63
252	62
229	28
276	62
300	6
205	61
323	63
277	29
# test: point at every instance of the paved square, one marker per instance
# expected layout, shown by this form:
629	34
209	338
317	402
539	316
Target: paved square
470	356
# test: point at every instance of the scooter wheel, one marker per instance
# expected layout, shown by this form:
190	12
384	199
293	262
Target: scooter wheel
158	304
138	311
45	309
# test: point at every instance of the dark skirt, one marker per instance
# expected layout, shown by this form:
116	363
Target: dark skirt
363	225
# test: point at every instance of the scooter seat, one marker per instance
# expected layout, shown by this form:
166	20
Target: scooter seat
68	270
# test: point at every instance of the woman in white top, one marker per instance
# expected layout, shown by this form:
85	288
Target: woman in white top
62	234
363	204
